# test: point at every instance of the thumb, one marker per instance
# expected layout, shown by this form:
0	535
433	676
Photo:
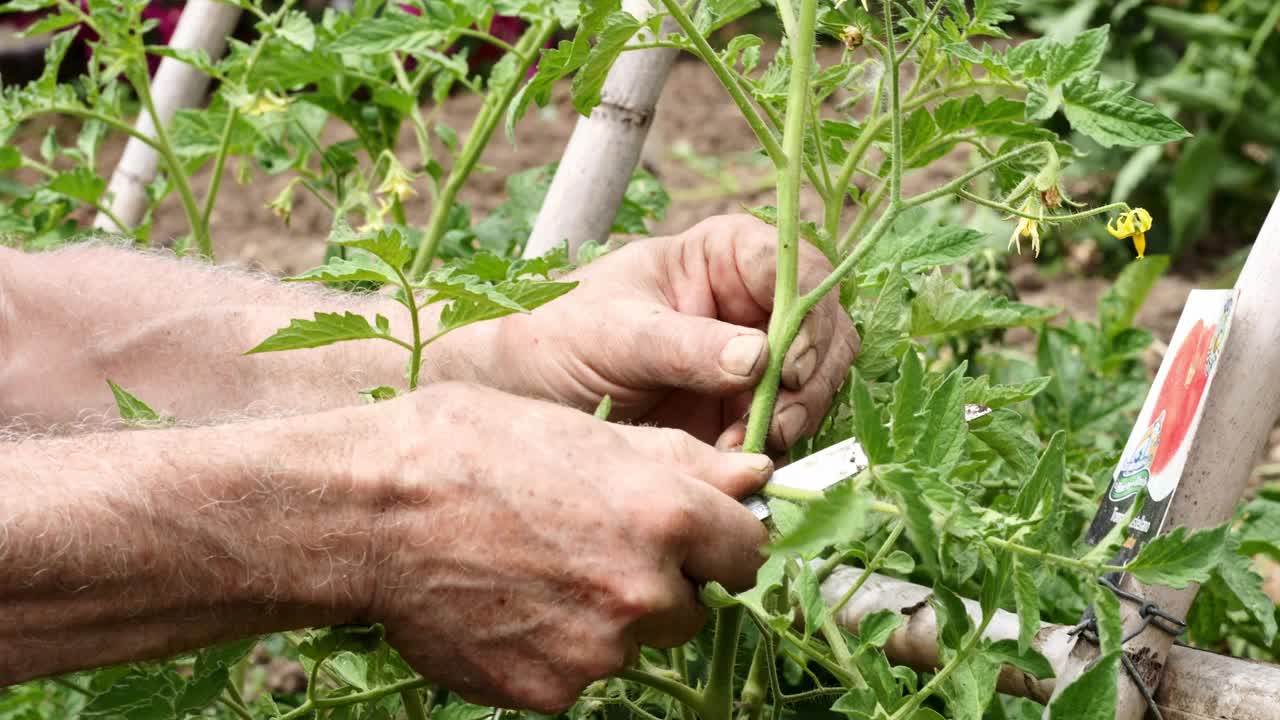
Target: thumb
699	354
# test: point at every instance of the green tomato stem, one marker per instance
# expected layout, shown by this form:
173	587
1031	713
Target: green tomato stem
491	113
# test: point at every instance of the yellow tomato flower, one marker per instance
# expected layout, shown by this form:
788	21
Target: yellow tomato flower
398	182
1133	224
265	104
1027	228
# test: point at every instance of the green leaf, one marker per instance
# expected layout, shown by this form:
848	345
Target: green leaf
908	402
82	184
941	308
388	245
1026	596
1106	611
809	594
1238	576
1079	56
1119	305
988	15
142	694
132	410
905	484
379	394
13	6
980	391
1112	117
712	15
876	628
10	158
1196	26
954	623
1044	486
883	327
1011	438
1192	187
842	514
298	29
474	302
1028	660
356	268
1176	559
587	84
324	329
915	244
942	441
867	426
1092	696
898	562
393	32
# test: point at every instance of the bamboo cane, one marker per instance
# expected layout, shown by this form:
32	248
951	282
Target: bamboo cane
204	25
1239	413
1198	685
604	149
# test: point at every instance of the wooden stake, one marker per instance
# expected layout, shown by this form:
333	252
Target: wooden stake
205	25
1240	410
604	149
1197	684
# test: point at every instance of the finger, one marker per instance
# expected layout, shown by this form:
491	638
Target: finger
800	411
732	438
667	349
802	357
675	624
725	541
735	474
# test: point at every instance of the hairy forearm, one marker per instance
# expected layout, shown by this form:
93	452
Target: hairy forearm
141	544
173	333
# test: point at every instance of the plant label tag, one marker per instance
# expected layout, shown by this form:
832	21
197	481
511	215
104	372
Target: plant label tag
1154	456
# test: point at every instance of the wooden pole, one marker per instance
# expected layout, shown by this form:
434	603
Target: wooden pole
205	25
1240	410
1197	684
604	149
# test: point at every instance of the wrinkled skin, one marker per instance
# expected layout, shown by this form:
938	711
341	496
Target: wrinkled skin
649	325
516	578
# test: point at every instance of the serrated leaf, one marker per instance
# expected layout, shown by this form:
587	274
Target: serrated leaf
1112	117
1176	559
1092	696
842	514
898	562
809	594
876	628
387	245
867	426
475	302
915	244
954	623
980	391
1119	305
82	184
883	327
132	410
1081	55
942	441
298	29
909	397
587	84
393	32
1106	613
1239	578
356	268
1011	438
712	15
1044	487
904	483
941	308
323	329
1026	597
1028	660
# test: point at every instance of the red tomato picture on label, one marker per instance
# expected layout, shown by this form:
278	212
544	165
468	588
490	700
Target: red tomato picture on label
1180	394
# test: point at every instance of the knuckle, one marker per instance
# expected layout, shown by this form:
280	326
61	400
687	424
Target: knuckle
672	520
681	445
637	598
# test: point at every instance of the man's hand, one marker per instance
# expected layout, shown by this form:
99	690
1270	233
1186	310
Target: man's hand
531	548
672	329
514	549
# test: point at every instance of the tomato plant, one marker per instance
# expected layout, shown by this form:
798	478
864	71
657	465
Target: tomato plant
994	510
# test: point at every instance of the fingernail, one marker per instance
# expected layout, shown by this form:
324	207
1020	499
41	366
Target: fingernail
741	355
805	365
755	462
791	423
